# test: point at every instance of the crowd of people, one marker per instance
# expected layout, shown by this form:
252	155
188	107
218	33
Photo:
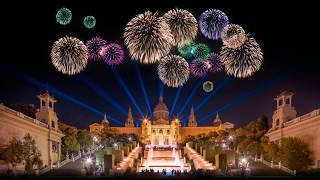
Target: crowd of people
163	148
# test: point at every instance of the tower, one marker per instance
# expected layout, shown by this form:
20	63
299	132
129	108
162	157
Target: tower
285	111
105	123
129	122
217	121
46	112
192	119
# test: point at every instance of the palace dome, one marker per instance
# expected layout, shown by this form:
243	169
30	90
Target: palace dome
161	110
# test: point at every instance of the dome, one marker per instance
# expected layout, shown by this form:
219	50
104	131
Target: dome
161	110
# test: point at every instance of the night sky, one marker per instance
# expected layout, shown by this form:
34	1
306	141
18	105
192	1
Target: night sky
286	33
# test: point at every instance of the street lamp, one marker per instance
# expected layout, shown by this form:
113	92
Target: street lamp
89	160
230	138
130	138
95	139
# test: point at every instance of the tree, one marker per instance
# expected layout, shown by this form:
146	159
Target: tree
294	153
12	153
69	141
262	123
84	138
31	154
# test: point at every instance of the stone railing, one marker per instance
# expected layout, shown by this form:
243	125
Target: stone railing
302	118
27	118
198	161
272	165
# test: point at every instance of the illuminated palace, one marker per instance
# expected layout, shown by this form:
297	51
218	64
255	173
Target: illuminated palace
161	130
43	129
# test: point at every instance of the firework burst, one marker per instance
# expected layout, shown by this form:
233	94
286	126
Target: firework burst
113	54
199	68
148	37
215	62
233	36
212	22
89	22
183	25
207	86
95	48
173	70
69	55
242	62
64	16
185	51
201	51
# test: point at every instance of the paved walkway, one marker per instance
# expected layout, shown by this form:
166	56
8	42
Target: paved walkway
69	169
260	169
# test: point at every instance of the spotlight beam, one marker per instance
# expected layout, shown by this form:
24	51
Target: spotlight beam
192	94
161	88
257	89
127	91
175	101
102	93
145	94
58	93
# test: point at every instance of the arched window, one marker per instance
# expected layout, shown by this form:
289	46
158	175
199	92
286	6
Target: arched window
43	103
168	132
154	131
280	102
287	101
50	104
52	124
277	122
160	131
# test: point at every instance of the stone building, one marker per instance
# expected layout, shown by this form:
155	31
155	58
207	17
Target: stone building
43	129
161	130
285	123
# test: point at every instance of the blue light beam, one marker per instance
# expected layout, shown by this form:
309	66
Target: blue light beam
102	93
58	93
259	88
145	94
127	91
191	95
175	101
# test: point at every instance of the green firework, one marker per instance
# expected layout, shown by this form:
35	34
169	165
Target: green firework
201	51
185	51
89	22
64	16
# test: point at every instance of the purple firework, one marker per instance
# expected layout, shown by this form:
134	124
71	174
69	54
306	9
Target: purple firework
215	63
212	22
199	68
113	54
95	48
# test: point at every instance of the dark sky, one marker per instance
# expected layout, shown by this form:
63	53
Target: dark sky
287	34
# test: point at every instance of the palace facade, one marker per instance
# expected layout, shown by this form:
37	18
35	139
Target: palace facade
285	123
161	130
43	129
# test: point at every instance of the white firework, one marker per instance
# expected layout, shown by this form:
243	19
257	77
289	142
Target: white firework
148	37
69	55
173	70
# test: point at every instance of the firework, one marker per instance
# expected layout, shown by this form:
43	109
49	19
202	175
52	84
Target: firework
212	22
215	63
243	61
233	36
185	51
201	51
113	54
95	48
89	22
199	68
173	70
183	25
64	16
207	86
148	37
69	55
